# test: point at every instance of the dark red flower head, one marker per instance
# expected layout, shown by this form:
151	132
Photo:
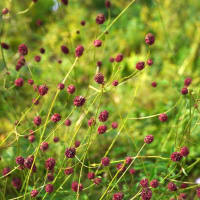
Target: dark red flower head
184	91
77	143
16	182
5	45
71	89
79	51
43	89
119	57
22	49
183	185
187	81
120	167
50	177
28	162
171	186
99	78
176	156
105	161
42	50
144	183
111	59
30	82
182	196
97	43
50	163
149	62
19	82
107	4
118	196
34	193
148	139
184	151
61	86
56	117
115	83
154	84
198	192
5	171
70	152
56	139
31	138
103	116
83	22
163	117
114	125
37	120
146	194
100	19
44	146
99	63
79	101
37	58
149	39
5	11
97	180
19	160
77	187
68	122
154	183
69	170
102	129
49	188
90	175
91	121
65	2
132	171
128	160
140	65
64	49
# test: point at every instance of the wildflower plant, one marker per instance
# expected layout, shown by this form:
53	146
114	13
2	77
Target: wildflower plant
99	100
